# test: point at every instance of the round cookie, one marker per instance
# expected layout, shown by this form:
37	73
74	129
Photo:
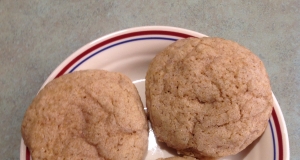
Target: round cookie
92	114
208	97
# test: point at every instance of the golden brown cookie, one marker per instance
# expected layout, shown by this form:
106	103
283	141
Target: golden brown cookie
92	114
208	97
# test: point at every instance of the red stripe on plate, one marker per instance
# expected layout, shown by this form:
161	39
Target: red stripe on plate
169	33
27	154
279	135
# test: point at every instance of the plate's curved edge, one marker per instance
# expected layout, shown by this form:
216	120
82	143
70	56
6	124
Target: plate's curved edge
164	28
282	124
22	150
114	34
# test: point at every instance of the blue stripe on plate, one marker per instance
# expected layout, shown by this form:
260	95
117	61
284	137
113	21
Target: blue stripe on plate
113	45
274	147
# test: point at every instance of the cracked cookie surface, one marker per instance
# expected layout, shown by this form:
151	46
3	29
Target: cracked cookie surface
92	114
208	97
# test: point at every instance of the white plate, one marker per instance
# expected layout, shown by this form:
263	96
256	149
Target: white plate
130	51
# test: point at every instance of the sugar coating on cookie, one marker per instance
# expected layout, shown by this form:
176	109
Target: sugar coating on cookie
208	97
92	114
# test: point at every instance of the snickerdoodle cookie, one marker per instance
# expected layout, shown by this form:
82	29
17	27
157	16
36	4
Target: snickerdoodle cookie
92	114
208	97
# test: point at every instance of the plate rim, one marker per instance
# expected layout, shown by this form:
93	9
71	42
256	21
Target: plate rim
114	34
276	108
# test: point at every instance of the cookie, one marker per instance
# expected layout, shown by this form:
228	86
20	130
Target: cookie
208	97
92	114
